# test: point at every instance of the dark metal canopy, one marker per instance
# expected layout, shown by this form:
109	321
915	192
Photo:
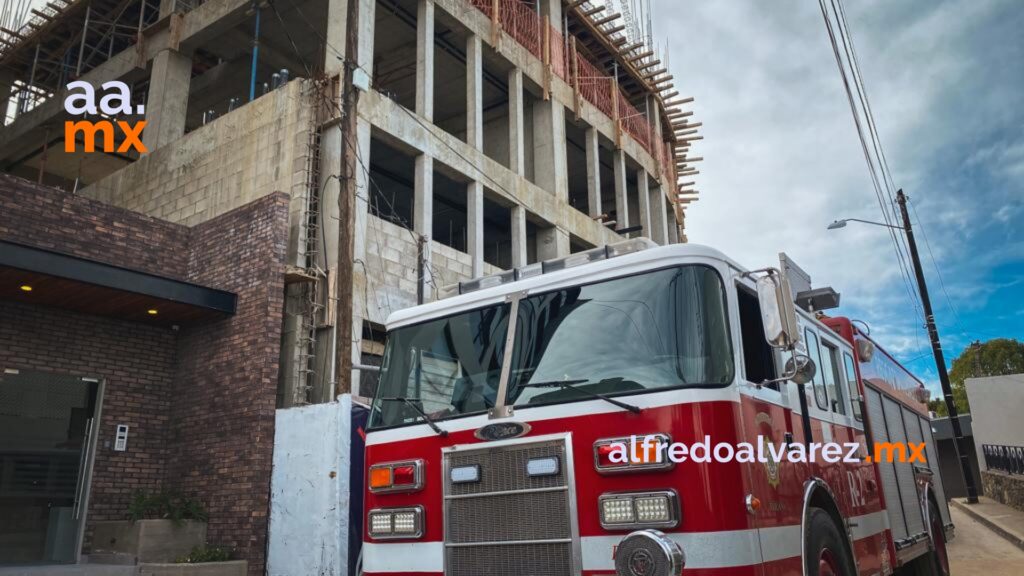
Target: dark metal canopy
38	276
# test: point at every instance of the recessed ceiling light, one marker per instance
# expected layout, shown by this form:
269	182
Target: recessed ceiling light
152	311
26	288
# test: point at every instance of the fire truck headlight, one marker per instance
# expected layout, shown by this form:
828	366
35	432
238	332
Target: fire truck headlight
617	511
638	509
391	523
649	552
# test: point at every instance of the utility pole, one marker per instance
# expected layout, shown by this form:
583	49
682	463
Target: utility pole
347	204
940	362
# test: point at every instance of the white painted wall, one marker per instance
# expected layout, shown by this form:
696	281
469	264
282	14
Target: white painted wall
997	411
309	509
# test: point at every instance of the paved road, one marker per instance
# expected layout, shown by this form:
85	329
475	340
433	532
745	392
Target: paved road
976	550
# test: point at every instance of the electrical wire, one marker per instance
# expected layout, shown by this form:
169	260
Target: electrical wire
885	183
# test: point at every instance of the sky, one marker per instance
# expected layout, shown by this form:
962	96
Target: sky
782	157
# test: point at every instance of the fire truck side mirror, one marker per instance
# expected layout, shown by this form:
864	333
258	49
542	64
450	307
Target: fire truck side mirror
800	369
778	313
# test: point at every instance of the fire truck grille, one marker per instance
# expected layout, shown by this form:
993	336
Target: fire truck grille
509	523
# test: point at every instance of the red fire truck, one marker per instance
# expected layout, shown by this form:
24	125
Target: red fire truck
488	448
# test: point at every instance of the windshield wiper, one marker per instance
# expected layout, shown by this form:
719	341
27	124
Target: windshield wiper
411	402
571	385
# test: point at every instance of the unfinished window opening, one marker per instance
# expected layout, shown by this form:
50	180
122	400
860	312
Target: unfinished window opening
531	242
577	244
391	184
449	82
394	51
497	233
576	160
371	354
496	108
289	48
449	211
633	198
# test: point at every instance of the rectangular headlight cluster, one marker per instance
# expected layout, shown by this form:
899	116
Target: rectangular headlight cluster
634	509
639	457
393	523
406	476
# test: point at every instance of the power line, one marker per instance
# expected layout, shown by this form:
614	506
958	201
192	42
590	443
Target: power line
878	187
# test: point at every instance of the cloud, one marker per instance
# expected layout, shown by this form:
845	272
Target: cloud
782	158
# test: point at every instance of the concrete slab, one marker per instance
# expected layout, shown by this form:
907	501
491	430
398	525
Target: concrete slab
999	518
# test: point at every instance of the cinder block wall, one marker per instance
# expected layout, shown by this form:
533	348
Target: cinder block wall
248	153
392	268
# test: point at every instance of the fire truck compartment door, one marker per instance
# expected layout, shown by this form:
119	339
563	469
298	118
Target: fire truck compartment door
889	424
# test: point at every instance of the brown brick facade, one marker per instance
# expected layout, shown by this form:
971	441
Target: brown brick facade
200	400
222	413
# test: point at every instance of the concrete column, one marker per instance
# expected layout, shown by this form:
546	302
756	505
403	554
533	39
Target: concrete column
516	127
167	102
552	9
549	156
552	242
673	229
474	92
643	202
518	236
621	189
425	59
659	233
475	225
423	214
593	153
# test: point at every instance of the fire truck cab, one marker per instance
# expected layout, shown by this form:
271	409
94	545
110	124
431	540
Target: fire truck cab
489	442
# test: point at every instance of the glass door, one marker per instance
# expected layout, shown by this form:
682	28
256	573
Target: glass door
45	432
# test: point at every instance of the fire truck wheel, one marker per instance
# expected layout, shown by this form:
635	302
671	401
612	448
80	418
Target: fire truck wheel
939	559
827	553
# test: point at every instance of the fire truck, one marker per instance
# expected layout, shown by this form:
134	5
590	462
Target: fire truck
489	442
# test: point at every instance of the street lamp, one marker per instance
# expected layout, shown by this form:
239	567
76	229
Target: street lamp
959	443
842	223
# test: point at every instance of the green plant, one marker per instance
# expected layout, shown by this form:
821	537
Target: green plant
165	505
205	553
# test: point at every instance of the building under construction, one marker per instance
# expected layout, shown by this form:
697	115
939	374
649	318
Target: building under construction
311	167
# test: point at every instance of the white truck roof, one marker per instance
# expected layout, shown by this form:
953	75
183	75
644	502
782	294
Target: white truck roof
631	263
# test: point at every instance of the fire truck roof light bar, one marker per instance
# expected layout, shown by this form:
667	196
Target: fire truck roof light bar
554	265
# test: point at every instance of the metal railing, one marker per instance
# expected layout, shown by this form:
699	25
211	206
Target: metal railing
1009	459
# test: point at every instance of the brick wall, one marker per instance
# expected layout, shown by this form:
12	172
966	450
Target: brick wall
56	220
221	431
136	364
200	401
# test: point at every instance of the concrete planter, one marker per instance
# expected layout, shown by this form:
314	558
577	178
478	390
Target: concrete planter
148	540
231	568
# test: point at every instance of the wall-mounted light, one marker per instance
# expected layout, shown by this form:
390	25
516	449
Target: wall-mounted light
152	311
26	288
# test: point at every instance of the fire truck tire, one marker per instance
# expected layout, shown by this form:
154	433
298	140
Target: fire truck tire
938	558
827	551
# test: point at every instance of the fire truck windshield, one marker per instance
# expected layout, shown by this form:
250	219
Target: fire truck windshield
651	331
